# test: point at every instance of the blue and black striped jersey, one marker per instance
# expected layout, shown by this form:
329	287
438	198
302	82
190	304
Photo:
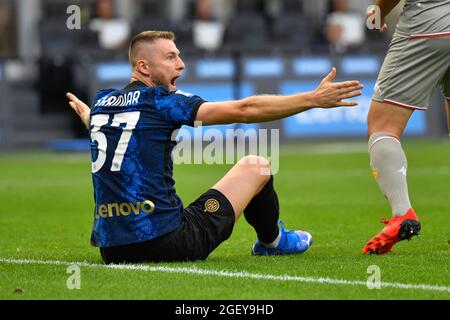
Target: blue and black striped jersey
131	144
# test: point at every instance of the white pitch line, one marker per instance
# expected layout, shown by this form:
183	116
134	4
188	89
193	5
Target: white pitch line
231	274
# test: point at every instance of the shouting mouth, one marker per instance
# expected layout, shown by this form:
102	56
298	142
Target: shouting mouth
173	81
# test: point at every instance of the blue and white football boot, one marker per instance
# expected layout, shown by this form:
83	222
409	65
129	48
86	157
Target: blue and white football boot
291	242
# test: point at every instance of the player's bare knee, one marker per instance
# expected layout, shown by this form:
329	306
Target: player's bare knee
384	117
257	165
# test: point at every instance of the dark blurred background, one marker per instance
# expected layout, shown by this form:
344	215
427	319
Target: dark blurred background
231	49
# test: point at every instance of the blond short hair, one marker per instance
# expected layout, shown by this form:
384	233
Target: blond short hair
146	37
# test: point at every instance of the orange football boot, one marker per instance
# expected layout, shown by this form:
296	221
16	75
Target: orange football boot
396	229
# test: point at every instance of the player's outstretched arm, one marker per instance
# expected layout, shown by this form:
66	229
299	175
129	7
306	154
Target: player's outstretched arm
272	107
80	108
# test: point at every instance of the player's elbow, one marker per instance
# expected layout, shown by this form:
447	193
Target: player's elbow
246	112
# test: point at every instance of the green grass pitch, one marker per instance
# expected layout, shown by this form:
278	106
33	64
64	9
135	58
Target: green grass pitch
46	212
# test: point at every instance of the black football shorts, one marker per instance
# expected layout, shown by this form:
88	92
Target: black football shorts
206	223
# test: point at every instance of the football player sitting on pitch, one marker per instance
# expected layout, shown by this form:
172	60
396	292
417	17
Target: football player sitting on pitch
138	216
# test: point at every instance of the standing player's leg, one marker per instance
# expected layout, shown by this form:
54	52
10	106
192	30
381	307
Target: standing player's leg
410	72
445	87
447	109
249	188
386	123
387	159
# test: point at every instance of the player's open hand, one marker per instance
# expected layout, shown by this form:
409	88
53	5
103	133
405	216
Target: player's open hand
79	107
332	94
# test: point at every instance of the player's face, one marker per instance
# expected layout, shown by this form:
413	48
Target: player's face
165	63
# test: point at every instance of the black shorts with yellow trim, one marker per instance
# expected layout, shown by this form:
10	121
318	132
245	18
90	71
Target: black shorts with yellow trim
206	223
